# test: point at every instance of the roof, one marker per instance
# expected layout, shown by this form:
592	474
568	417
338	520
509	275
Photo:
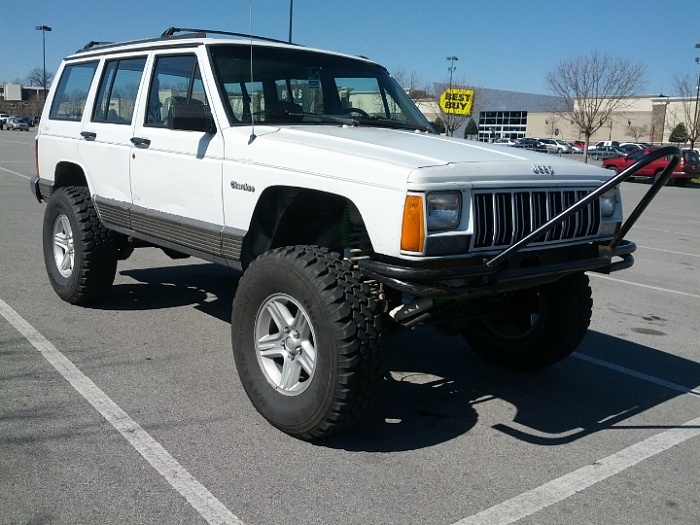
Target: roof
502	100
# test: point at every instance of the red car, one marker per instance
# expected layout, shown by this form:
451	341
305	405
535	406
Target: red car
688	168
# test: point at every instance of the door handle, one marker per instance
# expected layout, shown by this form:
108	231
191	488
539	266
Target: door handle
88	135
139	141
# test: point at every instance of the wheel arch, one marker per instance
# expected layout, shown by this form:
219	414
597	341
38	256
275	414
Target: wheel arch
287	216
69	174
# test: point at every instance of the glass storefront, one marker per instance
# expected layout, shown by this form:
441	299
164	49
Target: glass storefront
502	124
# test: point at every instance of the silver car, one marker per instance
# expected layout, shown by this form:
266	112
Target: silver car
555	146
15	123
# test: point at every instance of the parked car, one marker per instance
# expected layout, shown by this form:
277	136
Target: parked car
606	152
579	144
531	143
566	147
603	143
17	123
505	142
575	148
3	119
688	168
552	146
631	147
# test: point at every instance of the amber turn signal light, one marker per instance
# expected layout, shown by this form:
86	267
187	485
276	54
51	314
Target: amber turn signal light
413	226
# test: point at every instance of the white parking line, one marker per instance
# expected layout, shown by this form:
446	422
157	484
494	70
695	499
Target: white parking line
196	494
567	485
14	173
214	512
638	375
684	234
658	289
669	251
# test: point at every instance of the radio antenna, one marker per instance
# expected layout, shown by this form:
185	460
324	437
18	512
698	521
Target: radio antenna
252	113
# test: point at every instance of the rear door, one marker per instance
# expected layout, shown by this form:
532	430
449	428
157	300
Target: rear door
105	138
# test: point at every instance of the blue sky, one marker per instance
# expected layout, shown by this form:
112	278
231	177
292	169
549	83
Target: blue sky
503	44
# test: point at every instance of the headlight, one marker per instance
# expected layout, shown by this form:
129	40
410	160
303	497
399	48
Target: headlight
444	210
607	203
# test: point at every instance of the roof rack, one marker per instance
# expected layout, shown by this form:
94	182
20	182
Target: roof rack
93	44
170	32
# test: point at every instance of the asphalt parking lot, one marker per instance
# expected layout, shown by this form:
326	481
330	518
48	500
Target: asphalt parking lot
131	411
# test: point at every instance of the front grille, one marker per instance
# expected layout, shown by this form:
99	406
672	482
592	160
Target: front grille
502	218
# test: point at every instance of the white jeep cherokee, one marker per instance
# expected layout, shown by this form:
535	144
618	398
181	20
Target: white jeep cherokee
315	174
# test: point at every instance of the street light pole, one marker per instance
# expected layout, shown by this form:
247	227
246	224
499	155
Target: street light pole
452	67
696	124
291	12
697	99
43	30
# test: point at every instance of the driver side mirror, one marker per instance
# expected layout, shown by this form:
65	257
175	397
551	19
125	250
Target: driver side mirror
191	117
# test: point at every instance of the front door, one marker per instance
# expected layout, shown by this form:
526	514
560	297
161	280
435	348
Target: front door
176	174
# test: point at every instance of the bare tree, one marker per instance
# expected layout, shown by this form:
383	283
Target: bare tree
412	82
35	78
688	89
637	132
593	87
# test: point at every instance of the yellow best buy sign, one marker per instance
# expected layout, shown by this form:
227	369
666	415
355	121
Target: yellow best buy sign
457	101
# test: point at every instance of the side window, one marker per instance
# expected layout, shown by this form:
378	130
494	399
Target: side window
176	80
116	96
71	92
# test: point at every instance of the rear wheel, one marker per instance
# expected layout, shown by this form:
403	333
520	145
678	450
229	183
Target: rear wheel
304	341
543	325
680	182
79	252
657	176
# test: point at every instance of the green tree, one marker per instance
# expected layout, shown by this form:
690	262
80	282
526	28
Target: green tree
679	134
471	128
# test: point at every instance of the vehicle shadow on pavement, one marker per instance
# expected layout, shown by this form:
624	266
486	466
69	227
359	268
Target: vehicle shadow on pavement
436	388
436	385
208	287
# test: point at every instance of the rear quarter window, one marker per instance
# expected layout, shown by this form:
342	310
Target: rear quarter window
691	156
71	92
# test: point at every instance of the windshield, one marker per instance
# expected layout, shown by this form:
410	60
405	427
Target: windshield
301	86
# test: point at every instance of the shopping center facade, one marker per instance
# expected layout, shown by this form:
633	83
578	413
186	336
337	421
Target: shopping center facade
511	114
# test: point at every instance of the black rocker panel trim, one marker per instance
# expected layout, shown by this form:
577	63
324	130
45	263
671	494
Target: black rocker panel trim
202	239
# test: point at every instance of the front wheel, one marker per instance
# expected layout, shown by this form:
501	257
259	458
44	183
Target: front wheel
304	341
540	326
79	252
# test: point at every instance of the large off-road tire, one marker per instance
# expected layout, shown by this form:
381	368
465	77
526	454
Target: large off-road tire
304	341
79	252
545	325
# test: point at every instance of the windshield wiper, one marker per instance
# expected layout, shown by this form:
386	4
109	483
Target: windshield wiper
296	115
391	123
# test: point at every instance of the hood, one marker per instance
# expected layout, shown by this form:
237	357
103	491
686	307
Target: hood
429	159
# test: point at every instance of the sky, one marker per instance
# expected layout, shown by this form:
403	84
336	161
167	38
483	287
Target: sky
500	44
